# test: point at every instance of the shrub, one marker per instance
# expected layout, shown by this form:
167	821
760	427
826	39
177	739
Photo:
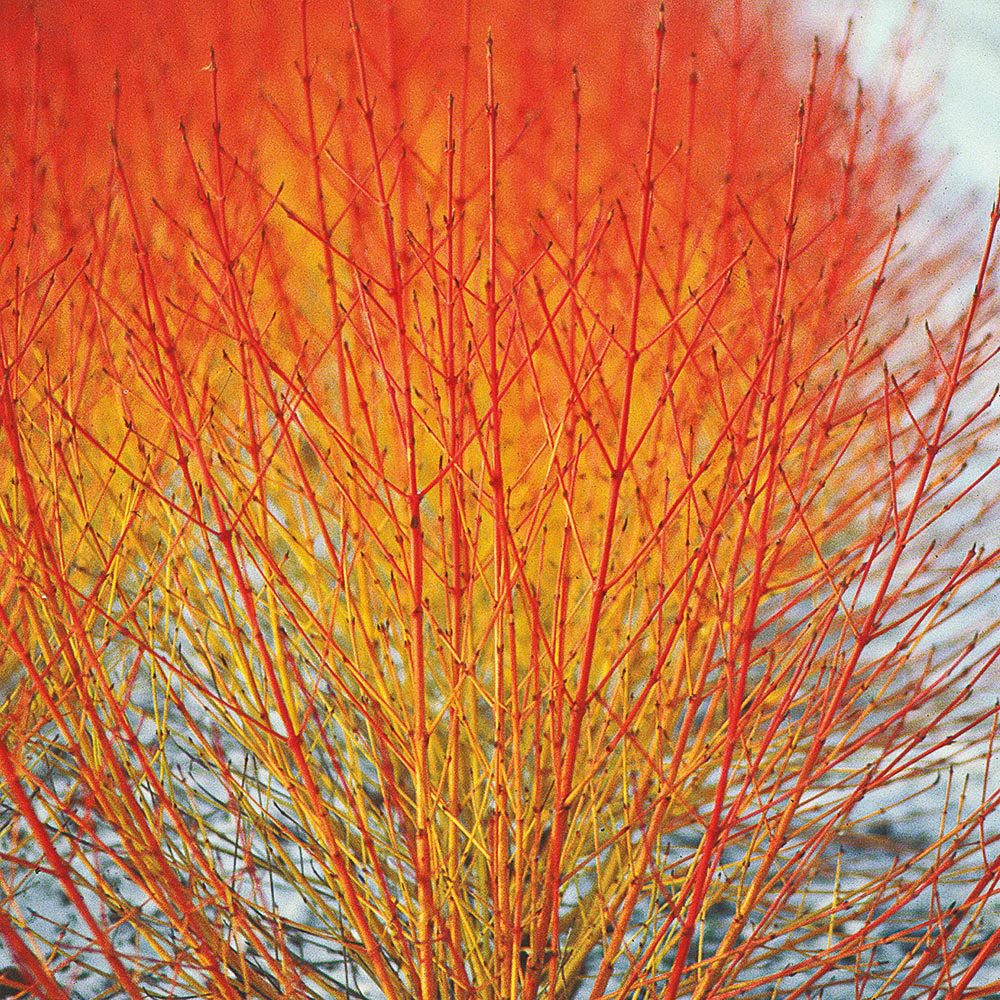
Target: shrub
491	508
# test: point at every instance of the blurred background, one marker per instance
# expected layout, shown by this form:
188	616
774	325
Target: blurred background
961	48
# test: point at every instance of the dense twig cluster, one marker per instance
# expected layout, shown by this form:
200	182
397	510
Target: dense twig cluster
480	521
